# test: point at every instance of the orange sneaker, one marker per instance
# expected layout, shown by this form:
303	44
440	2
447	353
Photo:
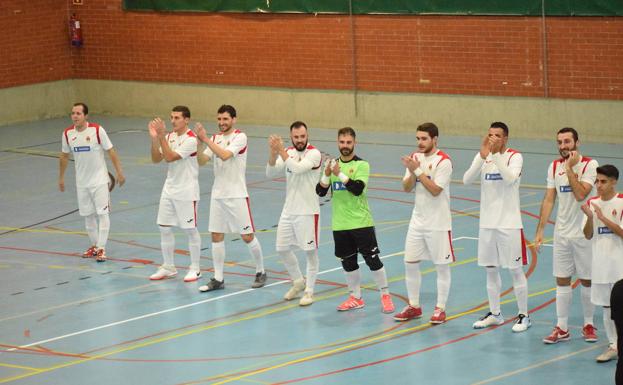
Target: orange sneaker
557	335
387	306
351	303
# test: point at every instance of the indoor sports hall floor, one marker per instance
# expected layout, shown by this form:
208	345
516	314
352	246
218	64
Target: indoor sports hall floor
69	320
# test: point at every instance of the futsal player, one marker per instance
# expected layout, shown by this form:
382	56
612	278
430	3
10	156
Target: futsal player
87	142
501	241
300	218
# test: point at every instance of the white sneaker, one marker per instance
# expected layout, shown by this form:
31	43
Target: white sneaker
297	287
308	299
487	320
522	324
609	355
192	275
163	273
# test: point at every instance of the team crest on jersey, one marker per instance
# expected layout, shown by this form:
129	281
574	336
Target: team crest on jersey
430	166
88	139
614	213
350	171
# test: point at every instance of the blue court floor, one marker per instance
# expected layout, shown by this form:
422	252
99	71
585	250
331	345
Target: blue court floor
69	320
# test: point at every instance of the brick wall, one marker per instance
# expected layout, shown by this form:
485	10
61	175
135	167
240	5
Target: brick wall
428	54
35	42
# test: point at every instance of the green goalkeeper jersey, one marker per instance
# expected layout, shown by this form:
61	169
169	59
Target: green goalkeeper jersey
351	211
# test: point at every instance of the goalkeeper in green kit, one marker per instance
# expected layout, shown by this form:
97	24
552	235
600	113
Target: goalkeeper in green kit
352	223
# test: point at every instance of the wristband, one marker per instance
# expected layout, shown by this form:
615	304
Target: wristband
343	177
418	171
324	180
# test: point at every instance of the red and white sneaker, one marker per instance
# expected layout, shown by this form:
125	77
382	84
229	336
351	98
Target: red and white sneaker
409	312
351	303
90	252
100	256
557	335
439	316
387	305
588	332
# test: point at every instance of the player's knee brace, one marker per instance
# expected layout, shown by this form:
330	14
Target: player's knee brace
350	263
373	261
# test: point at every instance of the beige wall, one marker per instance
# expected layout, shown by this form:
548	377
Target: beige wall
36	101
458	115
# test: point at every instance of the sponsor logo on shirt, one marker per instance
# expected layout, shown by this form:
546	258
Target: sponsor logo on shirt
338	185
564	189
493	176
82	148
604	230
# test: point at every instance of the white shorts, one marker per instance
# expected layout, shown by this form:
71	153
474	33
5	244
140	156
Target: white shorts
93	200
572	256
502	247
182	214
298	230
231	216
435	246
600	293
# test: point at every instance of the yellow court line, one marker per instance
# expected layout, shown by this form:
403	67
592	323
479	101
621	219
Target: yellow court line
19	367
360	343
540	364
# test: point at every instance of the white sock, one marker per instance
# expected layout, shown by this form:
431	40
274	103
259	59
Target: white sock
104	229
611	331
353	280
256	251
167	243
218	259
588	308
520	286
413	280
444	279
312	269
494	287
292	264
194	247
564	295
90	223
380	277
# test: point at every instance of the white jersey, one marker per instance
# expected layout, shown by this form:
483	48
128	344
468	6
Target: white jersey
607	264
569	216
88	148
229	175
500	176
182	183
302	169
432	212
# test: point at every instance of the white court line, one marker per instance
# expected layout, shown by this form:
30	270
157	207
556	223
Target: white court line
212	299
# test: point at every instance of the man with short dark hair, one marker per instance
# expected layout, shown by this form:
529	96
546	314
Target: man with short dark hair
604	227
352	224
299	221
87	142
571	178
500	237
429	237
230	210
180	193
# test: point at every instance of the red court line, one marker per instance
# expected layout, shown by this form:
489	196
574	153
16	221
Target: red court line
405	355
